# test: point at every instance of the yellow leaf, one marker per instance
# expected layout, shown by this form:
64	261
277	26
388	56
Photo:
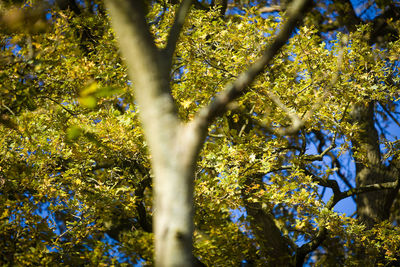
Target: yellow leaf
89	90
186	103
235	118
88	101
73	132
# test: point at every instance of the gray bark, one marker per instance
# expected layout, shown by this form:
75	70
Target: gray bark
172	162
174	146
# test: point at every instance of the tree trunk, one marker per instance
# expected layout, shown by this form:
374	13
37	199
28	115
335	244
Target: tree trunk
174	147
372	207
172	154
274	246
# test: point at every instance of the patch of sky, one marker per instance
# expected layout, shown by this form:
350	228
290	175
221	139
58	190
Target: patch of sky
159	16
140	263
179	72
73	102
96	121
6	44
302	76
114	250
387	124
388	128
292	57
96	8
81	3
237	216
366	10
16	49
49	16
235	11
345	178
122	104
322	10
331	37
54	174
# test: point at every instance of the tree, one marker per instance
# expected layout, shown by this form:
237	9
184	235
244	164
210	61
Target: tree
257	125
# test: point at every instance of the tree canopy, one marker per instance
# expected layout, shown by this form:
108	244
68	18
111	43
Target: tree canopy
250	119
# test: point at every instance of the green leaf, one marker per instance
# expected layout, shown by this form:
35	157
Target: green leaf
74	132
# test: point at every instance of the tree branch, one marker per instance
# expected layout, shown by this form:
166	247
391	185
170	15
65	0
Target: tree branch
176	29
347	16
297	123
320	156
239	86
305	249
201	5
269	9
61	105
367	188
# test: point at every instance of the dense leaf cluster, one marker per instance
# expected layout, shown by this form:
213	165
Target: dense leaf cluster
75	179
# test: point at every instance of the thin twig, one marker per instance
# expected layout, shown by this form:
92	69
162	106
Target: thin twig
320	156
58	103
9	110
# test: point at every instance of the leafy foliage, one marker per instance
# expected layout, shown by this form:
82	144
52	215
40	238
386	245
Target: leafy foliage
75	174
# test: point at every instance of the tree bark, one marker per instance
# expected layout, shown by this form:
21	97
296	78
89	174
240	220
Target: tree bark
167	138
274	246
372	207
174	147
